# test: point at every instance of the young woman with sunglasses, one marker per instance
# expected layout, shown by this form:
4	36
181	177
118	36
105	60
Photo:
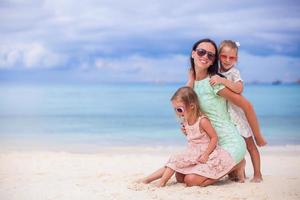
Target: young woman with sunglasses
202	156
228	52
204	64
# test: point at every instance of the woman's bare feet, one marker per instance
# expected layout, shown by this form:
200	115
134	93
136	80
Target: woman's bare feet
240	171
233	176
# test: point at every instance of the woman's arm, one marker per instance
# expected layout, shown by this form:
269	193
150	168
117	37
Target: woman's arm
207	127
191	79
247	107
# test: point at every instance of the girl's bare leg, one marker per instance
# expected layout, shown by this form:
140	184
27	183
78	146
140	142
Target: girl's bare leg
248	109
253	122
168	173
154	176
255	158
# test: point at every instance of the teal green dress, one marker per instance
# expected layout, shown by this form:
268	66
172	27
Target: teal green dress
215	107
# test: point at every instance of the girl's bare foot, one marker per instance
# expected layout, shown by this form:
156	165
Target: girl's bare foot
256	179
161	184
143	180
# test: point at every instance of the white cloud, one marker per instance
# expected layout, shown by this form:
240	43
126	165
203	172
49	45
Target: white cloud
132	37
173	68
100	21
32	55
170	68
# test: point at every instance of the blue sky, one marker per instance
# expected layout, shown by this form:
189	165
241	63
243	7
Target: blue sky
143	41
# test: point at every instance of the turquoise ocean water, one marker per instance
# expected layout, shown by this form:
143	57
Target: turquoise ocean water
96	116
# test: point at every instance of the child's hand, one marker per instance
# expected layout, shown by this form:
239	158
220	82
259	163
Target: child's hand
182	127
260	141
215	79
203	158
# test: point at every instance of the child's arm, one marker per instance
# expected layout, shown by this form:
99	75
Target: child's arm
247	107
236	87
207	127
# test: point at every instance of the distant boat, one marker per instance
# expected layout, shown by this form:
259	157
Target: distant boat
278	82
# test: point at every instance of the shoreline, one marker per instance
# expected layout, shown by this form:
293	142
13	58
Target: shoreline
148	148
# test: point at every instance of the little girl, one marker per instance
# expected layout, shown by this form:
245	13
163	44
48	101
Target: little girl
202	156
228	51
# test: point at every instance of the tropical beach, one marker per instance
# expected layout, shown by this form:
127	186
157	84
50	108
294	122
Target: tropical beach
72	148
85	89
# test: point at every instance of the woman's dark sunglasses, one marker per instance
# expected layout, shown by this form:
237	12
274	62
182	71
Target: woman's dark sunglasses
202	52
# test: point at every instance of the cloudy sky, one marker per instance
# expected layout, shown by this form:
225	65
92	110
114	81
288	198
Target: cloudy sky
143	41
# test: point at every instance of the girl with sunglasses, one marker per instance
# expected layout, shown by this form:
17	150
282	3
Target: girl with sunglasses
228	52
213	102
202	156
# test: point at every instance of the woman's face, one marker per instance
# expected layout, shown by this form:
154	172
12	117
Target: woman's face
204	55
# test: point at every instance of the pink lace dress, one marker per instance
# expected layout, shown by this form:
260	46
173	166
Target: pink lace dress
219	163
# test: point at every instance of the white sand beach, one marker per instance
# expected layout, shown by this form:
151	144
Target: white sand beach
111	172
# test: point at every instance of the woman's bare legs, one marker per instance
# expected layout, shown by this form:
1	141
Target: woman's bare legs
238	172
179	177
208	182
197	180
255	158
191	179
194	180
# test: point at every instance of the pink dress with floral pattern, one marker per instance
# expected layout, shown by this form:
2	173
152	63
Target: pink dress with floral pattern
219	162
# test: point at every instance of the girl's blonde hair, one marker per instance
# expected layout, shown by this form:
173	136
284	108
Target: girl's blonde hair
230	44
187	96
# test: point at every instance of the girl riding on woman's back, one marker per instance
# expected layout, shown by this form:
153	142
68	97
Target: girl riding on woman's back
228	54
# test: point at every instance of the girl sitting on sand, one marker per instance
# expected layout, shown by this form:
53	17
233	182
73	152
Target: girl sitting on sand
202	156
